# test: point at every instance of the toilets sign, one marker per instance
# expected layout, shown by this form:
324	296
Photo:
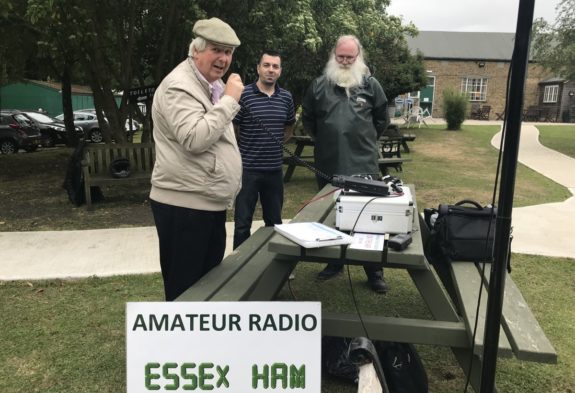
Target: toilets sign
236	347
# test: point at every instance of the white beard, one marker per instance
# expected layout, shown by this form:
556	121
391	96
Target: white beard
346	76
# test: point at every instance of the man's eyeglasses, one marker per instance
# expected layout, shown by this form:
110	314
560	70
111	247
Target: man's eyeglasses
349	59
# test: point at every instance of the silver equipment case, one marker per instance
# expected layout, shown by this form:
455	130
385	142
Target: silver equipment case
385	214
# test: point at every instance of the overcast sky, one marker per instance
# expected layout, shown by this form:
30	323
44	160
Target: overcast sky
467	15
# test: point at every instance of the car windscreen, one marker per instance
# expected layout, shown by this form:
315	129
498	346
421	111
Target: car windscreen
40	117
22	119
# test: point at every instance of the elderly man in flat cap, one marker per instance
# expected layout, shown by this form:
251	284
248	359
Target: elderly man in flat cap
198	168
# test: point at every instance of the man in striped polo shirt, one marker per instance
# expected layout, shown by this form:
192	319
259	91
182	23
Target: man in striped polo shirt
262	125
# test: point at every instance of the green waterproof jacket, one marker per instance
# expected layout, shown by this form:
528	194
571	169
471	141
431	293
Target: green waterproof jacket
345	129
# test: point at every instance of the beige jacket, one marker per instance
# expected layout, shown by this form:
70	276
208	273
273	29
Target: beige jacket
198	164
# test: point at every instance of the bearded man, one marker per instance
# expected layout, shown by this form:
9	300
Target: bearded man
345	112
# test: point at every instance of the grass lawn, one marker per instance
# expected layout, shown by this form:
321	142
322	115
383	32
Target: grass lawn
560	138
68	335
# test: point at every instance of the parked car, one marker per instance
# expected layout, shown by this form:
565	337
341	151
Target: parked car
89	124
53	130
135	124
87	119
18	132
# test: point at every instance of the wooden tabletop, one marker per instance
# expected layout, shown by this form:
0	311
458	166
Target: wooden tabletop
412	257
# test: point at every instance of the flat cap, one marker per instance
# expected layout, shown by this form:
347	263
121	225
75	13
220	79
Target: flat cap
217	31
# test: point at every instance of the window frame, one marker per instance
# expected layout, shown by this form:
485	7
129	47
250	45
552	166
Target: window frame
550	94
475	88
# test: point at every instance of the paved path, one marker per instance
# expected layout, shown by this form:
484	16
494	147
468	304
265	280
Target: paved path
75	254
544	229
540	230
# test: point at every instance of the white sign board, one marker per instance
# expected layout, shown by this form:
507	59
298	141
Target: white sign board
237	347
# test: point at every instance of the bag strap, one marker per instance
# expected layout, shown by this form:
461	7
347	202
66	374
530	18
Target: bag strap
470	202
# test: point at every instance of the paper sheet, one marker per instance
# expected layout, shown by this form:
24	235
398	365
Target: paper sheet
368	241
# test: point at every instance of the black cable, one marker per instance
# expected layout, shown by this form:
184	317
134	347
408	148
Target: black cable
355	304
291	289
285	149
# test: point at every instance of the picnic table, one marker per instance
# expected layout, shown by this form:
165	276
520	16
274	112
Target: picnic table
540	113
389	153
258	269
451	296
301	141
402	138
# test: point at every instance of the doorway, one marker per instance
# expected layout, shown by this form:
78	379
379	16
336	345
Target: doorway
426	95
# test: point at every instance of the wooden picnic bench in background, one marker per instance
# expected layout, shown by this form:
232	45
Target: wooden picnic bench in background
390	155
540	113
390	146
403	138
301	141
97	159
392	132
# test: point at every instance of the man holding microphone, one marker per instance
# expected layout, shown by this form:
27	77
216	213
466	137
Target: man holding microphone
198	168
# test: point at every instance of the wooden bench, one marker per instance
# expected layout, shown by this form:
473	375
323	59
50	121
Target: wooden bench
98	157
521	335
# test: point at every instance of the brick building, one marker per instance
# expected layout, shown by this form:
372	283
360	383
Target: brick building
478	64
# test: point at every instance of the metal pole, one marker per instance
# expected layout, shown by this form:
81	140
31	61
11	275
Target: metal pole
507	187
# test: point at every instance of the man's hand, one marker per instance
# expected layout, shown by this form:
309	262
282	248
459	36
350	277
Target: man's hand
234	87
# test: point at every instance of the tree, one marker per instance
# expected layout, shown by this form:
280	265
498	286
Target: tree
115	45
554	45
17	56
304	31
58	47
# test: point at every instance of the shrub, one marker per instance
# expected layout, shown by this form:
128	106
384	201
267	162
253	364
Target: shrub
455	108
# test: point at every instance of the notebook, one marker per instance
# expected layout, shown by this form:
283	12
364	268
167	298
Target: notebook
313	234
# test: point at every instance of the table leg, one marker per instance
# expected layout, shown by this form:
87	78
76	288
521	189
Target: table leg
434	295
384	170
404	145
443	309
292	165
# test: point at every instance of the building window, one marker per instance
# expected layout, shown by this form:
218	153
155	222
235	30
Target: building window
551	93
474	88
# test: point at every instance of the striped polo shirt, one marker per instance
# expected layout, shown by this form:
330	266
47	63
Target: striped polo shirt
261	152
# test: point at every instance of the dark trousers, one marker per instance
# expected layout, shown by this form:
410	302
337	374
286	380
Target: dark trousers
192	242
269	188
372	273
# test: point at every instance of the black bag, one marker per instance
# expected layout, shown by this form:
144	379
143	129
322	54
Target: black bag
335	358
120	167
74	180
462	231
402	366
